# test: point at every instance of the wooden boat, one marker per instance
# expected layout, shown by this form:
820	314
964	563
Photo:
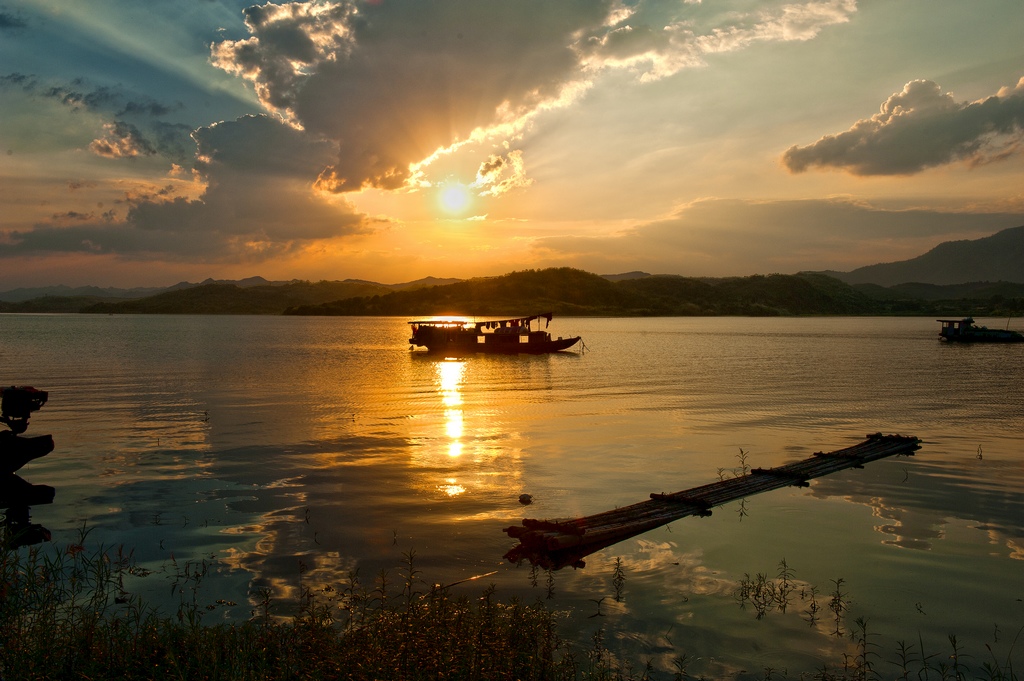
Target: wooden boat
965	331
493	336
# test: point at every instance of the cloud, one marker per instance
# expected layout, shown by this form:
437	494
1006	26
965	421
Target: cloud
719	237
80	95
658	50
918	128
369	94
501	174
258	203
122	140
11	21
395	82
258	172
22	81
135	127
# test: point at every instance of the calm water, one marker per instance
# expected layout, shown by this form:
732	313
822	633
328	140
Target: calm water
273	447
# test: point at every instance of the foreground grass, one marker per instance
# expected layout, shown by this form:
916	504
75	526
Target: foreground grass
66	614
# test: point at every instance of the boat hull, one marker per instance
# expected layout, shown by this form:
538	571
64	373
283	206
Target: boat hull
985	340
460	347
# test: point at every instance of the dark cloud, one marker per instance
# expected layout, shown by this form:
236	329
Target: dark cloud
11	21
263	145
918	128
258	203
22	81
173	141
73	215
135	128
395	81
120	239
123	140
259	175
79	95
76	98
146	107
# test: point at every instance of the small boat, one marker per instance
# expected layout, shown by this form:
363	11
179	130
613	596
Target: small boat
493	336
965	331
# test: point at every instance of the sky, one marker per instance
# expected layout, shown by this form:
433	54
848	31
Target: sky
147	143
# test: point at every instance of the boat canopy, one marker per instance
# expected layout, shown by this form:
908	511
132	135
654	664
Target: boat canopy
487	324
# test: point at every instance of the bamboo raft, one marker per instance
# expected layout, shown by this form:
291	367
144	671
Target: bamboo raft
557	543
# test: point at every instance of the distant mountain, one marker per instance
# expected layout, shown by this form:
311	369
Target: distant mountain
218	298
978	290
564	291
254	295
999	257
626	275
420	283
248	282
72	299
22	294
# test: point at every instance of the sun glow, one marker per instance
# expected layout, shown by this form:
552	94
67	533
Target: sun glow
455	197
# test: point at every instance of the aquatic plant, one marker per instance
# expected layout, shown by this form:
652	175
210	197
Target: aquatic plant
618	579
67	613
862	662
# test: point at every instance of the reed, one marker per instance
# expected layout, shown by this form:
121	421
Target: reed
864	661
66	615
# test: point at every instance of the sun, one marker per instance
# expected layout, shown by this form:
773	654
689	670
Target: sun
455	197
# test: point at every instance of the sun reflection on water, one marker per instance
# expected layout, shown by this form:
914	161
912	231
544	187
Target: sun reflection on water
450	374
452	487
467	450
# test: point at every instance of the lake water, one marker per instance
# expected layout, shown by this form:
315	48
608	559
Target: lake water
280	448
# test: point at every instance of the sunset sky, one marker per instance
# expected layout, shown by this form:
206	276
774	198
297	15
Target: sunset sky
146	143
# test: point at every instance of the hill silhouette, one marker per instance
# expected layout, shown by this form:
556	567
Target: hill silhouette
993	258
234	299
979	277
567	291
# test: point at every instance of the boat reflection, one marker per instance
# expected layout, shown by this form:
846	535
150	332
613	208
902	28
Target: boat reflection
17	497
